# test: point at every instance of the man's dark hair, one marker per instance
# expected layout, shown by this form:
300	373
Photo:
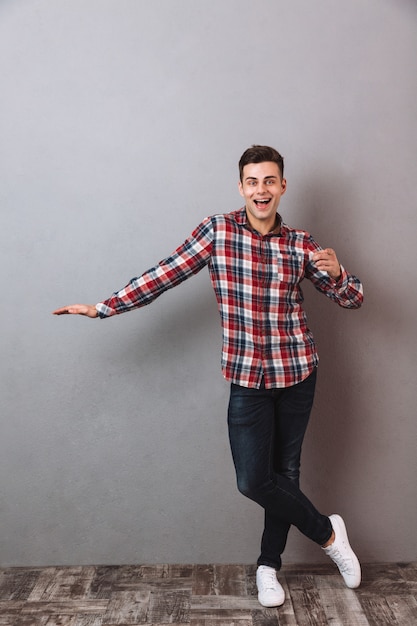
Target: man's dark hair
260	154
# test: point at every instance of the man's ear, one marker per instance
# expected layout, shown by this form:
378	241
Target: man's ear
284	185
240	187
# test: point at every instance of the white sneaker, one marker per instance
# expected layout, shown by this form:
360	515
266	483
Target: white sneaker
342	554
270	592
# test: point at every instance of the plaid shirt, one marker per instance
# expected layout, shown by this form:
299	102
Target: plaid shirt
256	280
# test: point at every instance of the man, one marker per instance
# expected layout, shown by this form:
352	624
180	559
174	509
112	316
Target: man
256	264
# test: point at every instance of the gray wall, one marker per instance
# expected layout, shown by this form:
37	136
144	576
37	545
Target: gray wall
121	125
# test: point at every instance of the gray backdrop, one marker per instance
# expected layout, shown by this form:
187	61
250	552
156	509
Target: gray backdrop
121	125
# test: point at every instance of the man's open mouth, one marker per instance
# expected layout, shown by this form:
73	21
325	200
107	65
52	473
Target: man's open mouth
262	203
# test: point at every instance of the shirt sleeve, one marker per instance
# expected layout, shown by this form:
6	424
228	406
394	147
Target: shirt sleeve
347	292
187	260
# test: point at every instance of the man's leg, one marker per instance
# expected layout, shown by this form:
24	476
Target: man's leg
292	408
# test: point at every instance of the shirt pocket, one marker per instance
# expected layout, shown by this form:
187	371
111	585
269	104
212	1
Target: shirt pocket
290	267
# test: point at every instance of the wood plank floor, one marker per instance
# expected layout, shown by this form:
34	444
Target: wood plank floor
204	595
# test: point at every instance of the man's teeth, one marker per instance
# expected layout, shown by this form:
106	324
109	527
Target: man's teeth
261	201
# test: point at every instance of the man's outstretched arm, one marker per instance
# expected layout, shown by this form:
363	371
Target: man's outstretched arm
89	310
185	261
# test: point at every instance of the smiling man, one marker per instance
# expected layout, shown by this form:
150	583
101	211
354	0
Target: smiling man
256	265
262	187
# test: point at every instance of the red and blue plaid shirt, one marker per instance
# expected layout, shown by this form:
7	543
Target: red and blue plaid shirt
257	282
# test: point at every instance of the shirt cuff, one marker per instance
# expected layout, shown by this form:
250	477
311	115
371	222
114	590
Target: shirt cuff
342	283
104	311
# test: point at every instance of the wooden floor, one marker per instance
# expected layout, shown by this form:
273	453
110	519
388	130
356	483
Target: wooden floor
204	595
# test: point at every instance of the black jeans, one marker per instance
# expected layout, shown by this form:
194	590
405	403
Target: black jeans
266	431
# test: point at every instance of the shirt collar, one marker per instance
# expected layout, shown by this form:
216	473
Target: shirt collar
242	219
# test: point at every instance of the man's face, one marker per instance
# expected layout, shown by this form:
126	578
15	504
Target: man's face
262	188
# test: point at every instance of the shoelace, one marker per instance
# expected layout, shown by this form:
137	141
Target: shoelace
268	580
344	564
